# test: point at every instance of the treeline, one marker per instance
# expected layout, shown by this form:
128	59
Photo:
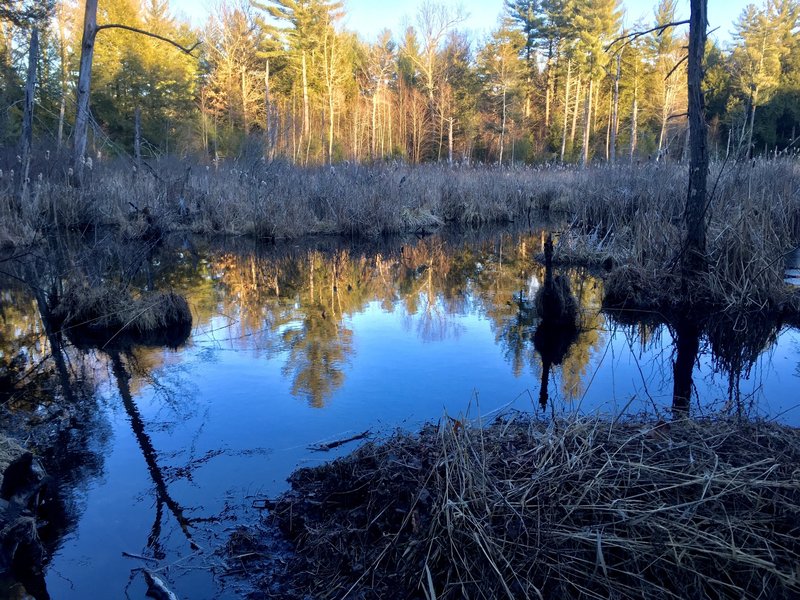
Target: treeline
556	81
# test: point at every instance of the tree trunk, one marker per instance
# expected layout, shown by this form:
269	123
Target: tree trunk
749	150
635	117
374	145
63	56
305	98
587	124
450	141
694	256
575	116
271	137
26	139
84	86
615	111
503	128
137	137
566	109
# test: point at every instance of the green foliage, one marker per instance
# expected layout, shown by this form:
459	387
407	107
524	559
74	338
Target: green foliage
545	77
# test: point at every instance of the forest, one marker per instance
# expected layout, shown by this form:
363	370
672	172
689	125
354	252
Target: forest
556	81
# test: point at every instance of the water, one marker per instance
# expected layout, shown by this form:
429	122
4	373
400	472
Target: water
296	345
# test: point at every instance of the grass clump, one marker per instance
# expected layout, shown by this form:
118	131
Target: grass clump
576	508
99	316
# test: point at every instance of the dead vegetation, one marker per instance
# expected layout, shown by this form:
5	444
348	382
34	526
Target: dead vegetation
576	508
110	315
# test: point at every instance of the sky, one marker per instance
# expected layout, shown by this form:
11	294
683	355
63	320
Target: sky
368	17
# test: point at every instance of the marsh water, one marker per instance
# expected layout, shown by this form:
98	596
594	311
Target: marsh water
160	453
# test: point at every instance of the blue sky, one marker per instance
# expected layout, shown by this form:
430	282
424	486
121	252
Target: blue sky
368	17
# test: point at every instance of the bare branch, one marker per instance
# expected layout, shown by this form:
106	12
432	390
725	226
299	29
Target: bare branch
152	35
677	64
629	37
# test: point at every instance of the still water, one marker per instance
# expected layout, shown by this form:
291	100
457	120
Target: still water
303	344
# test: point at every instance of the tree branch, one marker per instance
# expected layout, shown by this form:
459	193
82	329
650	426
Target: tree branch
152	35
677	64
629	37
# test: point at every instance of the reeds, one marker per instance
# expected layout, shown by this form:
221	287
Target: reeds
576	508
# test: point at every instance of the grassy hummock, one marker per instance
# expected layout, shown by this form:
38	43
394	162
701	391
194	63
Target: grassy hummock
575	508
109	314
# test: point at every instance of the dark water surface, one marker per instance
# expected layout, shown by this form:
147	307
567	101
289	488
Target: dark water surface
296	345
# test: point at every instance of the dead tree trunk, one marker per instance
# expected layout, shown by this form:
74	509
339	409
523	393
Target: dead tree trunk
84	86
26	138
694	260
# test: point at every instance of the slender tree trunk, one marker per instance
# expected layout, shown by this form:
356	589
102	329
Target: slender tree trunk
63	108
615	111
268	108
749	150
306	123
587	124
374	145
84	83
243	84
549	93
450	141
635	117
566	109
695	216
575	115
137	136
503	128
26	139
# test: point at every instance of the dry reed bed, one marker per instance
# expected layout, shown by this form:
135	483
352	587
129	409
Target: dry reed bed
576	508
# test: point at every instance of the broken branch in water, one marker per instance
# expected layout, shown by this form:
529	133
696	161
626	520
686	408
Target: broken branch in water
139	557
335	444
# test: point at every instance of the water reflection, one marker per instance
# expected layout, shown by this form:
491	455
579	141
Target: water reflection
298	342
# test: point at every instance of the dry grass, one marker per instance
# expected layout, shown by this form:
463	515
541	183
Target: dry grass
621	215
577	508
103	315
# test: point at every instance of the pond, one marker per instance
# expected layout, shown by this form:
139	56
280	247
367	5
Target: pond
162	452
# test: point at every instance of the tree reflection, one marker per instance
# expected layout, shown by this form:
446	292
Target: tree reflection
558	327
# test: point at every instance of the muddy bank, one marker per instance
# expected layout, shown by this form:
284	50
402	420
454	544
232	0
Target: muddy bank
579	508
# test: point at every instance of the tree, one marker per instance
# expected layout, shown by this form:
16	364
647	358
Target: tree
694	259
501	73
596	22
756	64
667	53
90	31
